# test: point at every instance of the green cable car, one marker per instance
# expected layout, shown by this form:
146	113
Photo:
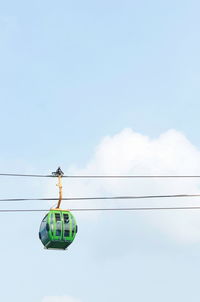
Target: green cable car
58	229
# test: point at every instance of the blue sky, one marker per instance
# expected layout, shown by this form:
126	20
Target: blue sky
72	73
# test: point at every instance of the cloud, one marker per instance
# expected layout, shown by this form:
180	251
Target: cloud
129	153
60	299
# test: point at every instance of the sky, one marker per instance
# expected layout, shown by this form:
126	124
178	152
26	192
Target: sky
100	87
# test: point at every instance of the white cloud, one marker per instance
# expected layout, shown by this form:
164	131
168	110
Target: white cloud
132	153
60	299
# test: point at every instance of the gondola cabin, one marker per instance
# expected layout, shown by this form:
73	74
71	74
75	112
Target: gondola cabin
58	229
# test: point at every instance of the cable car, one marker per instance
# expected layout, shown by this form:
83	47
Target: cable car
58	229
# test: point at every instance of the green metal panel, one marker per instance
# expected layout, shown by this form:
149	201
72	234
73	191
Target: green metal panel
51	223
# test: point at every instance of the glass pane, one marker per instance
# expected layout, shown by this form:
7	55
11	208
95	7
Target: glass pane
57	217
66	225
66	233
58	232
73	224
58	224
66	218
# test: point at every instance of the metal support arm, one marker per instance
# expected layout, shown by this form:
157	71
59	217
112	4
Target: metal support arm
59	173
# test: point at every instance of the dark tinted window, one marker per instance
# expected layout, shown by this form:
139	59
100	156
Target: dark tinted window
73	224
66	218
66	225
58	232
57	217
66	233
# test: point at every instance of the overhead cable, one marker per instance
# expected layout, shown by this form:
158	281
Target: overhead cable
106	209
25	175
105	197
101	176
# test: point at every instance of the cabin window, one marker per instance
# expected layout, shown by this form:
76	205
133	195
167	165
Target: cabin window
58	224
57	217
66	218
73	226
66	225
58	232
66	233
